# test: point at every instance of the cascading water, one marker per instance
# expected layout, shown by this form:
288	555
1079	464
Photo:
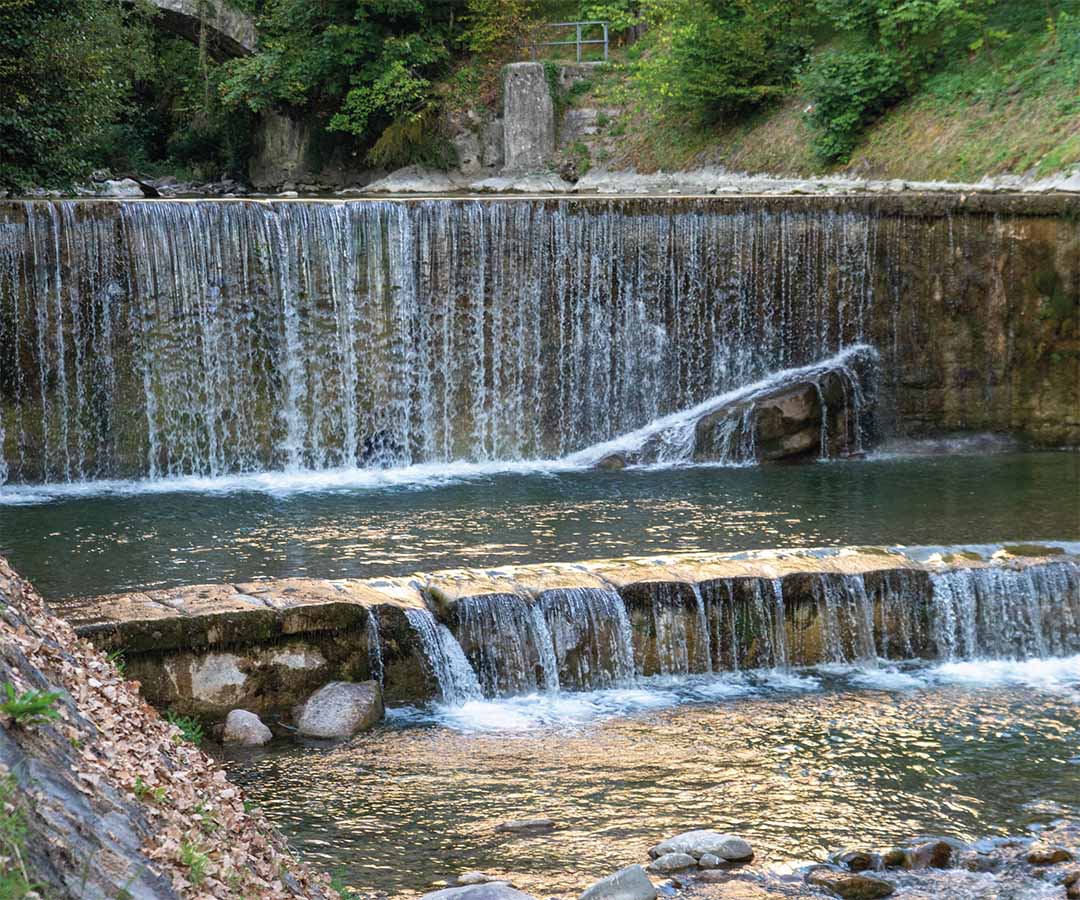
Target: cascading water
374	647
153	339
456	679
1007	614
587	639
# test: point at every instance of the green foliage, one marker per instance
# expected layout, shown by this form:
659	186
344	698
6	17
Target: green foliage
30	707
190	728
621	15
888	49
66	73
362	66
195	859
721	58
116	657
14	880
143	791
494	25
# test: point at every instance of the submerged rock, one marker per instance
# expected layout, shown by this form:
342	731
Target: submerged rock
936	854
859	860
673	862
1048	855
848	885
728	847
246	729
340	709
526	826
630	883
490	890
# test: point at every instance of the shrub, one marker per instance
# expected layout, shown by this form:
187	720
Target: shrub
849	91
30	707
190	728
722	58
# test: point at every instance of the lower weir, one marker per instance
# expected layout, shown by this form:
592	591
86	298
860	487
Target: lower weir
463	635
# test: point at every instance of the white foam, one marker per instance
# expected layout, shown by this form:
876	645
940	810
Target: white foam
1057	674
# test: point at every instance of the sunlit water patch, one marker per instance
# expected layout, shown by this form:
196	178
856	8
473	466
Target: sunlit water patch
802	763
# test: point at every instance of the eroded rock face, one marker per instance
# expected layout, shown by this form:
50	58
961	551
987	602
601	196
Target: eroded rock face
630	883
340	710
85	783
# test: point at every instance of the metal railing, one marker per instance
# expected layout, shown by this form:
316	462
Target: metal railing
578	41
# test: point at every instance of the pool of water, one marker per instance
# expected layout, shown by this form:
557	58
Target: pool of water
800	763
104	537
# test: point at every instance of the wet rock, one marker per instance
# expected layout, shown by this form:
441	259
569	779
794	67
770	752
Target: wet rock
526	826
630	883
1048	855
895	858
491	890
246	729
859	860
673	862
1071	882
711	861
341	709
977	862
728	847
848	885
931	855
475	878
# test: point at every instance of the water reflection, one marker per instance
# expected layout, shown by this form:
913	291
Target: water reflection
406	806
101	544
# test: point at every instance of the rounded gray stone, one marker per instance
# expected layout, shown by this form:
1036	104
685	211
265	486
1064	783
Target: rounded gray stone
340	709
630	883
246	729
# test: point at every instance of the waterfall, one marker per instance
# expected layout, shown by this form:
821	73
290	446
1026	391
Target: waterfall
170	338
455	677
374	647
591	638
507	643
1001	613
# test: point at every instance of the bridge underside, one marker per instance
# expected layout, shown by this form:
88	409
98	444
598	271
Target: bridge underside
227	32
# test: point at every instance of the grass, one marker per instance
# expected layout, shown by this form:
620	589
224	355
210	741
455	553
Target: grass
14	881
1013	108
195	860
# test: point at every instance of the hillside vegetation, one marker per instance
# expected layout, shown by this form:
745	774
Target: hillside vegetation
895	88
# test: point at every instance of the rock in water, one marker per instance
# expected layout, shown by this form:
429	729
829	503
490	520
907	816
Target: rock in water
246	729
527	826
1048	855
672	862
630	883
849	886
475	878
728	847
491	890
340	709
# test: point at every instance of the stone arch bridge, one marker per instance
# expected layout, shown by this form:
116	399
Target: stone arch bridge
228	31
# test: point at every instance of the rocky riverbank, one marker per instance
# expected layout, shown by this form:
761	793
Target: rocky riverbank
708	864
101	797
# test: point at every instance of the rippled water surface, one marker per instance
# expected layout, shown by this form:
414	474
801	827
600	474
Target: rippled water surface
102	537
800	763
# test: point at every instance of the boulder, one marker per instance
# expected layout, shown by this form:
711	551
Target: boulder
673	862
123	187
490	890
728	847
630	883
708	861
475	878
859	860
849	885
340	709
935	854
526	826
246	729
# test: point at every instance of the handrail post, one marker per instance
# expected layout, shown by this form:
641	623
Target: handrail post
578	26
605	41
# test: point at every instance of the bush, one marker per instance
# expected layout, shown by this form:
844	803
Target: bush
849	91
723	57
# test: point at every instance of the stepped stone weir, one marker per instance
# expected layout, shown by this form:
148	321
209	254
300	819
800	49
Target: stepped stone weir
461	635
156	339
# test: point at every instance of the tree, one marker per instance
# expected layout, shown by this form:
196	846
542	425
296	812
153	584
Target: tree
66	74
